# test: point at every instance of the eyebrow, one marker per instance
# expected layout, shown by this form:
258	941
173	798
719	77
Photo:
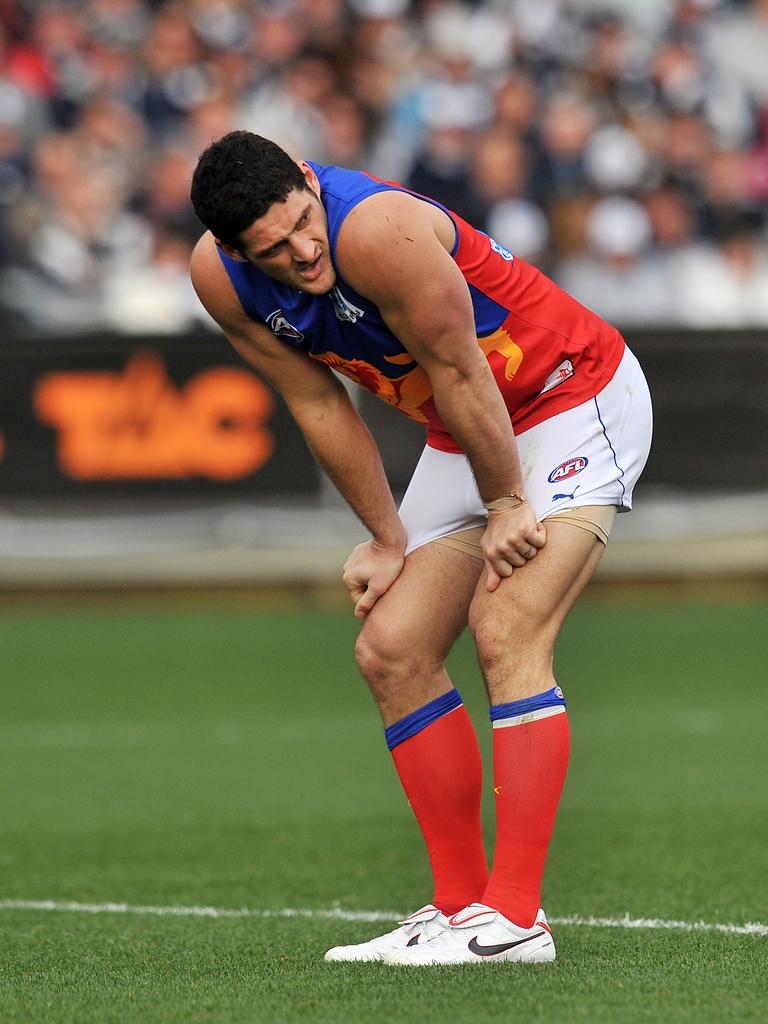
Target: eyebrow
268	250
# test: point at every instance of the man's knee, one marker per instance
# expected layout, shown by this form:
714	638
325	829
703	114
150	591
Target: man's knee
502	627
384	655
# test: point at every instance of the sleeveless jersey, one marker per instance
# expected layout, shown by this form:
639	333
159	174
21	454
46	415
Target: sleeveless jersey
547	352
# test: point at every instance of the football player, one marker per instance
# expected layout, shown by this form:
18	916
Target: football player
538	424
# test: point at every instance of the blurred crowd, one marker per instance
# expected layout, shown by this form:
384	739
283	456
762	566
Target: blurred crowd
620	145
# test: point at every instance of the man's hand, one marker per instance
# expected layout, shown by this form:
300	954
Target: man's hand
510	540
369	572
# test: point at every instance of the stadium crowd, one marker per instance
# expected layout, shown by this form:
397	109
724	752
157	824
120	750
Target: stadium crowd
621	145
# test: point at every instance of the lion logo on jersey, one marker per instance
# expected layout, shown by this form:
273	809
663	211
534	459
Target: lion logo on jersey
408	393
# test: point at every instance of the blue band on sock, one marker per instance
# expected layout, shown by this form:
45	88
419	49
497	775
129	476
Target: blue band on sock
549	699
421	718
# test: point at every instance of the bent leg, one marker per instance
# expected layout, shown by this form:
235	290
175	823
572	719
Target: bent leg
515	629
401	652
406	637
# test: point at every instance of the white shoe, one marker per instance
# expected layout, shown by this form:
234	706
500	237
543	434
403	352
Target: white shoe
418	928
480	934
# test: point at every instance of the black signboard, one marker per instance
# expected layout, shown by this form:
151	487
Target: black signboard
158	416
710	404
183	416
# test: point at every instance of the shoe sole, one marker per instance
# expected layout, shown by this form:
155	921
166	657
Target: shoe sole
353	959
543	954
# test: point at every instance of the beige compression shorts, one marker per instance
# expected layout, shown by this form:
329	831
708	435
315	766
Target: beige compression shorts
579	467
597	519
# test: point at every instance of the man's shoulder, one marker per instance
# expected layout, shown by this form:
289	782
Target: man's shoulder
208	273
384	222
212	283
387	212
205	260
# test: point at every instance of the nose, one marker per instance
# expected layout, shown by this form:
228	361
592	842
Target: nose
303	249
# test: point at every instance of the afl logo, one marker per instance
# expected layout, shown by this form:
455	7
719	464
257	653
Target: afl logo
568	469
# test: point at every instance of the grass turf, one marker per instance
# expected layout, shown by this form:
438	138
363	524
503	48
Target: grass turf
225	754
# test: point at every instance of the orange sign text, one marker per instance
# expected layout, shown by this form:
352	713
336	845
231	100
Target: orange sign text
139	425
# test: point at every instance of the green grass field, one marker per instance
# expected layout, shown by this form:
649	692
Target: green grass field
224	753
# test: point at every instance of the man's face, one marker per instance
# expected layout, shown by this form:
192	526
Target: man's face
290	242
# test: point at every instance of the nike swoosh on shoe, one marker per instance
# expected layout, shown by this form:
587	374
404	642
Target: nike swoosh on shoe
501	947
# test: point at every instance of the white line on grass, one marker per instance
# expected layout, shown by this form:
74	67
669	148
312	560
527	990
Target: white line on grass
751	928
336	913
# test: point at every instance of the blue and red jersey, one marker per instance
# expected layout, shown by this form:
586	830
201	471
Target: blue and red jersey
548	353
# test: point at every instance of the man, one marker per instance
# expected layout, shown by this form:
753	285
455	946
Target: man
538	424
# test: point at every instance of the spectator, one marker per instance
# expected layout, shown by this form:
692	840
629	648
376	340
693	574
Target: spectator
72	234
500	166
567	125
444	170
164	199
725	284
672	220
154	296
549	123
618	277
739	45
521	226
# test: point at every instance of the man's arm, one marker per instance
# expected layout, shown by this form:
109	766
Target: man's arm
337	436
390	252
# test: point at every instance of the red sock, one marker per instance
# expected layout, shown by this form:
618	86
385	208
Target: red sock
438	760
530	759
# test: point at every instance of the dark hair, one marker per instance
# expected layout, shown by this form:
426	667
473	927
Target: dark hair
237	179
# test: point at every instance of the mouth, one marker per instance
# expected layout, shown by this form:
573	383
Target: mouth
311	271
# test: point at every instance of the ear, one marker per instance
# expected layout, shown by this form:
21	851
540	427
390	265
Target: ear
231	251
310	177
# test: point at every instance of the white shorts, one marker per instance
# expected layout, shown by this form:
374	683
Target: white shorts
590	455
